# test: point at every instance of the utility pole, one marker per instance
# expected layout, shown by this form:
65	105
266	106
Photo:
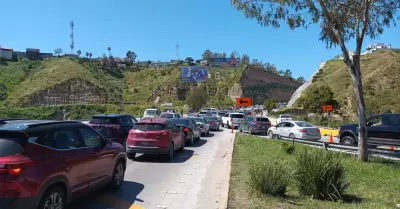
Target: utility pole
72	45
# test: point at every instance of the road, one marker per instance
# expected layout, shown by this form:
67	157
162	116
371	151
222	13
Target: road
196	178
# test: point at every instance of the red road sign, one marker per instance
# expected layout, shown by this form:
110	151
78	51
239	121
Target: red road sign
327	107
244	102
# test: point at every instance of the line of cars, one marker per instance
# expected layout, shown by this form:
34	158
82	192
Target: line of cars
47	164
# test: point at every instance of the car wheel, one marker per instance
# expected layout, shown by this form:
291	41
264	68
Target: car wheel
270	135
208	132
170	154
131	156
203	134
348	140
240	129
54	197
182	148
118	175
292	136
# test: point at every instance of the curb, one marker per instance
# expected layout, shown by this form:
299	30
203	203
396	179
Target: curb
224	203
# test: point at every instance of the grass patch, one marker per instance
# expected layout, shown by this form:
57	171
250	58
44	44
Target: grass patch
372	185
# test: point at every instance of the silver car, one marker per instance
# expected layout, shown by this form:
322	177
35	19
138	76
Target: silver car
204	126
295	130
213	122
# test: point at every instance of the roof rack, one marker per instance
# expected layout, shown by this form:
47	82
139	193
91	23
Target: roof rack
52	123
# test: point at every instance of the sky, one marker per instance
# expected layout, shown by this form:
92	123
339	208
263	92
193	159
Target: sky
153	28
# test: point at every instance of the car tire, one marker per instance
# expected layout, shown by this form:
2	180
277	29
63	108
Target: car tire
182	148
348	140
170	155
292	136
118	175
53	193
131	156
270	135
208	133
240	129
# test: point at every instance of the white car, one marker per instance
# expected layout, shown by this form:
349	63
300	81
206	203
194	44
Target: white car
283	118
204	126
151	113
295	130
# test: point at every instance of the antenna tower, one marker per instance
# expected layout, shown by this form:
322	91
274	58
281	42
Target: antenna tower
177	52
72	37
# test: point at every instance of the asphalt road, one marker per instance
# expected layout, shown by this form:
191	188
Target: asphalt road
196	178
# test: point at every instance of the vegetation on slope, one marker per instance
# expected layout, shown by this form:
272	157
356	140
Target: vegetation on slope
380	71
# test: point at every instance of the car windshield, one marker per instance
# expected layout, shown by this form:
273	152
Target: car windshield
221	114
150	112
303	124
149	126
182	121
262	120
285	116
211	119
203	112
166	115
214	113
103	120
197	120
237	116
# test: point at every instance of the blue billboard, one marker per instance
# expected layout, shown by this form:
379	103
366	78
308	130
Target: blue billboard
193	74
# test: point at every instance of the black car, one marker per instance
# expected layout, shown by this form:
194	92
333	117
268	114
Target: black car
382	129
190	128
113	126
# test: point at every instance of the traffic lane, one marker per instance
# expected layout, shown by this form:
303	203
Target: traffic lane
150	181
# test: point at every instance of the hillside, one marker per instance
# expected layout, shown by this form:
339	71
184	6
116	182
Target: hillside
65	80
381	76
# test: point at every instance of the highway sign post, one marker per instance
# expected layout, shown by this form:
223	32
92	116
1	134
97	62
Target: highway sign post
327	109
243	102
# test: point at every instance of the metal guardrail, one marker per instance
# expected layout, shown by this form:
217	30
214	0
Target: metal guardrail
350	148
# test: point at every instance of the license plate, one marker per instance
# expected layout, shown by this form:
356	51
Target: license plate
145	143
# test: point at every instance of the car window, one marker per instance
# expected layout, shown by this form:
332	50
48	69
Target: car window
133	120
265	120
182	121
67	139
281	125
303	124
149	126
91	138
170	126
166	115
237	116
124	120
11	144
375	121
103	120
288	125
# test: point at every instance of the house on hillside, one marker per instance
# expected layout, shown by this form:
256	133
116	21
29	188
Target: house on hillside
225	62
6	53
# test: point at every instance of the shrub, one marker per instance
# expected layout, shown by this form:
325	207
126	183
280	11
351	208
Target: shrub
163	73
271	177
321	174
136	90
289	149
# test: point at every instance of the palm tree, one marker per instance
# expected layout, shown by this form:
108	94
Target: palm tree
87	54
90	55
109	51
79	52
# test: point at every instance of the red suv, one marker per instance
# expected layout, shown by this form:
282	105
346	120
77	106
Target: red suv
46	164
155	136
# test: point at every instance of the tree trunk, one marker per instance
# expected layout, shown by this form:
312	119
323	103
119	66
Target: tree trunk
362	131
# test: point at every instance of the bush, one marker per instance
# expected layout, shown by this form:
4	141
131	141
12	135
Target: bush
321	174
289	149
163	73
136	90
271	177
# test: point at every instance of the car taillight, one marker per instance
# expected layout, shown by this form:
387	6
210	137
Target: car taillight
318	130
254	121
185	129
302	130
213	122
14	169
164	133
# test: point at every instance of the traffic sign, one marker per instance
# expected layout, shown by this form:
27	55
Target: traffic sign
327	107
244	102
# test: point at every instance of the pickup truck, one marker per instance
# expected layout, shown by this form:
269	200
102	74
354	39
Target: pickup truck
232	118
283	118
382	129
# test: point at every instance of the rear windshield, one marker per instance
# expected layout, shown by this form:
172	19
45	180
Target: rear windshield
103	120
203	112
221	114
211	119
198	120
237	116
182	121
303	124
285	116
148	126
10	145
214	113
166	115
150	112
262	120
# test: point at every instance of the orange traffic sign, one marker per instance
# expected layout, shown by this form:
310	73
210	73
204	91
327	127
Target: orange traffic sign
244	102
327	107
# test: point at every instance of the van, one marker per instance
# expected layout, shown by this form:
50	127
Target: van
151	113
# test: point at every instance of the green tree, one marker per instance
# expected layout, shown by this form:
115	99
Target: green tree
287	73
315	96
207	55
130	57
196	98
269	104
79	52
234	54
245	59
58	51
189	60
300	79
340	22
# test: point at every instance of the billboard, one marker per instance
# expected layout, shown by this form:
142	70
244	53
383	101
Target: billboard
193	74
